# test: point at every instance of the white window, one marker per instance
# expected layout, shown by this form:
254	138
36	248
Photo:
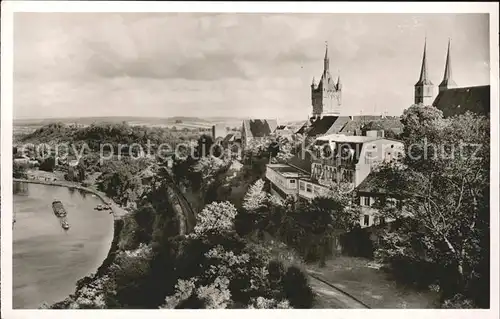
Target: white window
309	188
361	198
292	181
366	220
367	201
302	186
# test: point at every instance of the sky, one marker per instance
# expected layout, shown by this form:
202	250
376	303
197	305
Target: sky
234	65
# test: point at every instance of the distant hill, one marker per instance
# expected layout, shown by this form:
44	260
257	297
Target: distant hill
110	119
179	122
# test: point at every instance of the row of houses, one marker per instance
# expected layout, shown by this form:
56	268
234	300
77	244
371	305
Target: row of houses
346	149
337	159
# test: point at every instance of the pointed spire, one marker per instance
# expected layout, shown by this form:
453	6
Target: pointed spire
423	71
313	82
447	77
339	84
327	59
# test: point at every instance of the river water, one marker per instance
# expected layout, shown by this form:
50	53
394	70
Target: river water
48	261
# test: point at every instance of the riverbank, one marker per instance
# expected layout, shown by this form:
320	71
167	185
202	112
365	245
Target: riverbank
117	211
119	221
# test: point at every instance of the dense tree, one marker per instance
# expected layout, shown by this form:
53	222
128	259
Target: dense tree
445	220
120	180
48	164
218	269
19	170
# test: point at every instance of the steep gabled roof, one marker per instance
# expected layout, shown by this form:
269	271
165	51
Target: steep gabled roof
347	125
301	161
373	183
318	127
354	124
228	137
455	101
447	77
259	128
386	124
424	80
338	125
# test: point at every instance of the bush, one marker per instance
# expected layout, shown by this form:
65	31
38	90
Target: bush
48	164
297	289
458	302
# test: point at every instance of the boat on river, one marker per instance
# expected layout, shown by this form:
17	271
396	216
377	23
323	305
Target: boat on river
58	208
61	213
65	224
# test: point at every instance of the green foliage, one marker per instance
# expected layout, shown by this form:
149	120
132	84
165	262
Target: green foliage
306	226
48	164
119	135
205	179
446	203
120	180
130	275
19	170
215	216
297	289
218	269
458	302
207	147
145	217
213	267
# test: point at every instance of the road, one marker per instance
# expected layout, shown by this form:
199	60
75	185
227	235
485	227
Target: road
333	297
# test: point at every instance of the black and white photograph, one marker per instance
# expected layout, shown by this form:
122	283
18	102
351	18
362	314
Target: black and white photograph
249	160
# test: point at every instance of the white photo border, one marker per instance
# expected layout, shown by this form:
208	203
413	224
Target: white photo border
10	7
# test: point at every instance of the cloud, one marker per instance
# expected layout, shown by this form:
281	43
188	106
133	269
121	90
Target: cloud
156	64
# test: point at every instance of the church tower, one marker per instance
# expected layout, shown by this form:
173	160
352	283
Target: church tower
326	96
424	89
447	82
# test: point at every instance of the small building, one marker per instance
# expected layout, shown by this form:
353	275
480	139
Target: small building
369	193
255	130
309	189
283	179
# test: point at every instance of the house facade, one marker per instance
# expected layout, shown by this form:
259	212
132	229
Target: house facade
349	159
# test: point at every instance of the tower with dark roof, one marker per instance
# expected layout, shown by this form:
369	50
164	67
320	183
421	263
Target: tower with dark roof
326	96
447	82
424	89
